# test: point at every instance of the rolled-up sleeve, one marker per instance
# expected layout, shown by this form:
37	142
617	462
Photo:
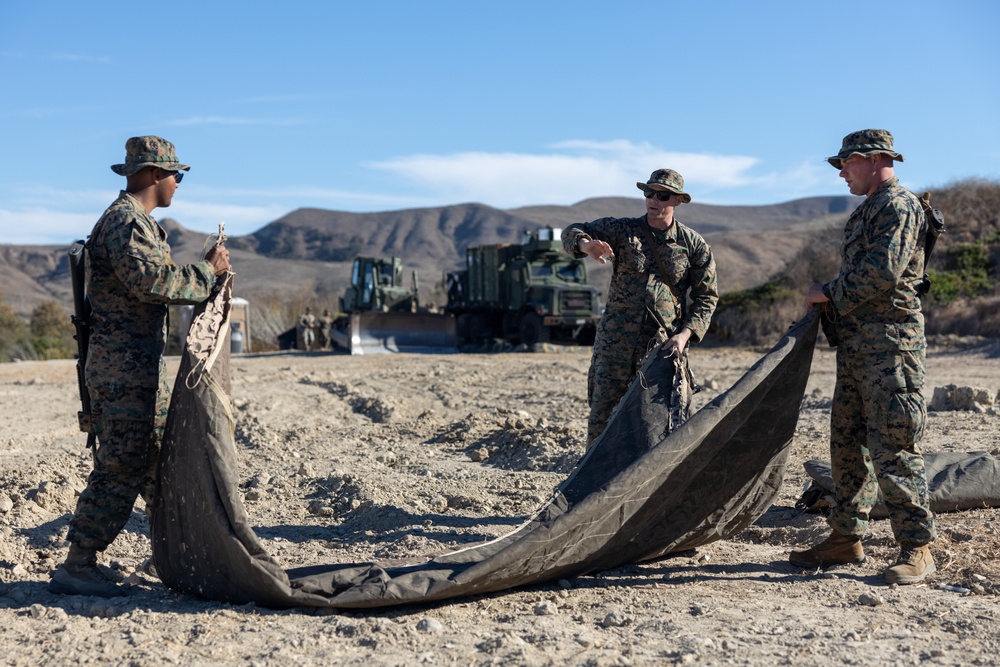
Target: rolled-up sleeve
571	239
151	276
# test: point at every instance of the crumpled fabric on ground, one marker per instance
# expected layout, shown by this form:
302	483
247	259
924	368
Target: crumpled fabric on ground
637	494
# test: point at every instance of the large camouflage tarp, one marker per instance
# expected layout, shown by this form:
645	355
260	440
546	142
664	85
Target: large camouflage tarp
638	493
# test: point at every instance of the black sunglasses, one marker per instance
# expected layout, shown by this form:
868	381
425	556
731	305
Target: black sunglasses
178	175
659	195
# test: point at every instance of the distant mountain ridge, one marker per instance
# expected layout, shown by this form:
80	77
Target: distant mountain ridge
312	249
705	218
444	233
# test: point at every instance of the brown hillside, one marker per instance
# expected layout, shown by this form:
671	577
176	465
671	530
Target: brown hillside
30	275
964	297
429	237
706	218
309	251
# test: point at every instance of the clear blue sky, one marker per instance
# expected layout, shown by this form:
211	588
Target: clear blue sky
370	106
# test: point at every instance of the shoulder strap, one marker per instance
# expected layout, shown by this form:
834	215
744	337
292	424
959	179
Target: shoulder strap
935	224
935	228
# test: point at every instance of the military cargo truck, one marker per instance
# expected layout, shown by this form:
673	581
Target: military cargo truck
529	293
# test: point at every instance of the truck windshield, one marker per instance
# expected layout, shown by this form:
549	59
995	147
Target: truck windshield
541	270
368	287
570	272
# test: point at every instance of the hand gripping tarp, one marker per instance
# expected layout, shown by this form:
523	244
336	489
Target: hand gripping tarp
637	494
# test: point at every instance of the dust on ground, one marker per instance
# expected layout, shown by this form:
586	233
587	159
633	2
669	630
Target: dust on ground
347	459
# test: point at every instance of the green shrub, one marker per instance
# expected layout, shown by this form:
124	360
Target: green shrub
764	295
757	316
966	273
52	332
49	334
15	338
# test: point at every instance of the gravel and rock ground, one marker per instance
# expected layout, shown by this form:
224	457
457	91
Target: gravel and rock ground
345	459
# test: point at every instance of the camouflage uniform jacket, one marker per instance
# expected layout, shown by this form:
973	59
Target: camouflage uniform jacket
875	301
130	280
636	284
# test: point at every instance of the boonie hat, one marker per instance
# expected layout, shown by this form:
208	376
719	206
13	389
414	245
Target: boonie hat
666	179
865	142
148	151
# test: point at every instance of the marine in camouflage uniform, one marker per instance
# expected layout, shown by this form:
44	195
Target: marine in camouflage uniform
323	330
878	413
307	326
645	308
131	279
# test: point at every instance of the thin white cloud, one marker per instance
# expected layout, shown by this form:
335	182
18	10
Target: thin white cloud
52	226
563	173
572	171
230	120
205	217
77	57
35	226
704	170
36	112
291	97
802	180
304	194
45	197
44	215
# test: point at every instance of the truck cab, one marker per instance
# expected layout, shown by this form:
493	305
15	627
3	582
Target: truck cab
532	292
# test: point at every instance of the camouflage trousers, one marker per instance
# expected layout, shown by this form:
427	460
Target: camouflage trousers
308	339
878	417
615	360
130	425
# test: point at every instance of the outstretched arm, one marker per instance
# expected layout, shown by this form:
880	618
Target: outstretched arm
596	249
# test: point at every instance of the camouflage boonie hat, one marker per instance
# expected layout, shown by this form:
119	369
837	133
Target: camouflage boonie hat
142	152
666	179
865	142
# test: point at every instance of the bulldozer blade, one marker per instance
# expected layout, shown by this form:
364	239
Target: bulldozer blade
378	333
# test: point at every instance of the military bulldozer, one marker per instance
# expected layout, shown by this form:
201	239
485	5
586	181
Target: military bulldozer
379	314
529	293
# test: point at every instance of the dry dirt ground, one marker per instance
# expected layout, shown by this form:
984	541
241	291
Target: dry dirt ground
345	459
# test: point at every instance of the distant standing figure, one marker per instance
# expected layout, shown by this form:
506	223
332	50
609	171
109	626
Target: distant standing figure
307	323
323	331
658	265
131	279
878	413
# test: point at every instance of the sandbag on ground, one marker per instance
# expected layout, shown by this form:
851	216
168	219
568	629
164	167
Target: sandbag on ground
955	481
637	494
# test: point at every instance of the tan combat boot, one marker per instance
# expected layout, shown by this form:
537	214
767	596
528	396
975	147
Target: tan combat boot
835	550
79	575
914	564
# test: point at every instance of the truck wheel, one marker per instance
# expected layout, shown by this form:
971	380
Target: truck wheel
463	327
531	330
587	335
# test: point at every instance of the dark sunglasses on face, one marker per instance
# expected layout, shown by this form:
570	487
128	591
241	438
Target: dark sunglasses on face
659	195
178	175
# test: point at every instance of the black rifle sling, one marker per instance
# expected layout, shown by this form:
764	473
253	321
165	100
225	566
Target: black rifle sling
81	320
935	228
